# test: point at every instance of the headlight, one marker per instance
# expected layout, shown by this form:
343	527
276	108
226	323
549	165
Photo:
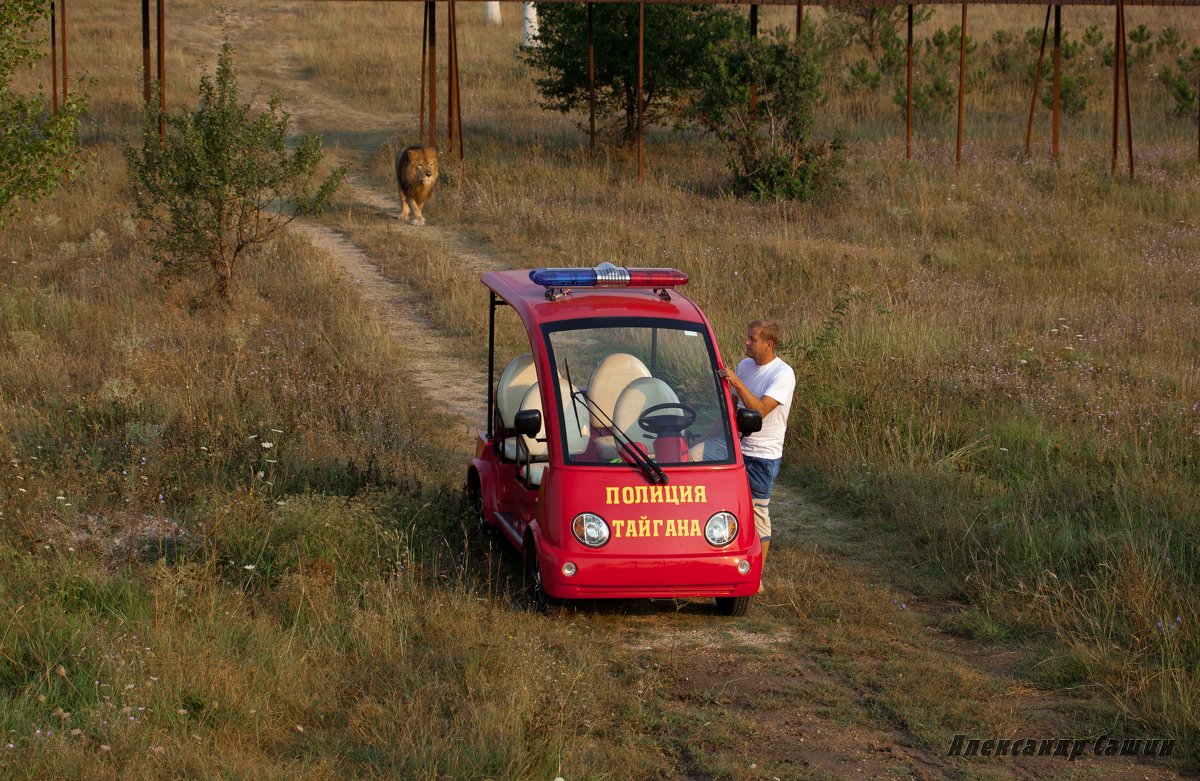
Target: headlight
590	529
721	529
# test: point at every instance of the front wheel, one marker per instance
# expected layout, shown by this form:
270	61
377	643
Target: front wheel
733	606
535	590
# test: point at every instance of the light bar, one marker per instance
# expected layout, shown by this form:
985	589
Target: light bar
608	275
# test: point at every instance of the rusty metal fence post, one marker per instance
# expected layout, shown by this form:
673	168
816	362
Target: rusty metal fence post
641	63
1054	111
1037	79
53	61
962	88
908	103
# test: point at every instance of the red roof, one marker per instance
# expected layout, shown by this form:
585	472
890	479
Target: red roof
531	304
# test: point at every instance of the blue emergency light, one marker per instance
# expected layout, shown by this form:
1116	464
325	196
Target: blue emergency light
608	275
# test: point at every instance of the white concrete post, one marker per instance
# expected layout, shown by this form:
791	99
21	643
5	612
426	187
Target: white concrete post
530	26
491	13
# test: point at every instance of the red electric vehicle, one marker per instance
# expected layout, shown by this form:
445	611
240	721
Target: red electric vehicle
611	459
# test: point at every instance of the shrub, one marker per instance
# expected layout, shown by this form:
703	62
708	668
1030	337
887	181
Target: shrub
36	151
768	145
222	181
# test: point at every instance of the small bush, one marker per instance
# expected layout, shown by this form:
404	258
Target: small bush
221	181
766	128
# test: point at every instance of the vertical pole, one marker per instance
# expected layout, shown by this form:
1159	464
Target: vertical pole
1055	109
962	88
1116	122
908	103
799	17
63	21
432	73
53	61
641	62
491	413
457	91
1125	68
162	70
1037	80
422	70
146	52
591	7
450	96
753	34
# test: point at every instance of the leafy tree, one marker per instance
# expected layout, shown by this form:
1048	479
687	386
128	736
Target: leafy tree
223	181
36	150
935	87
677	42
1179	83
769	148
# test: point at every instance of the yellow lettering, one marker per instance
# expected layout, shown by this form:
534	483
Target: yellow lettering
700	494
672	494
643	526
627	495
612	494
657	525
640	494
656	494
617	527
685	494
695	527
671	527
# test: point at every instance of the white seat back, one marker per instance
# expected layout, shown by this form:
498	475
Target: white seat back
609	378
514	383
638	396
577	432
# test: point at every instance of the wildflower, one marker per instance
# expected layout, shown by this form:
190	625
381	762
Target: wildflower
268	445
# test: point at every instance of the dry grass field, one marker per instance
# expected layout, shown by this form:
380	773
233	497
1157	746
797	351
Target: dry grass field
232	540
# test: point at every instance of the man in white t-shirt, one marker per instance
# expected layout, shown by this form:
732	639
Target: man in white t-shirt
765	384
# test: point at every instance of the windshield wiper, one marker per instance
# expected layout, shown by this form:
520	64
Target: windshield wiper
650	469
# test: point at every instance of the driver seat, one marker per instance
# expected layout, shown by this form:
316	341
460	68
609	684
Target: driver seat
639	396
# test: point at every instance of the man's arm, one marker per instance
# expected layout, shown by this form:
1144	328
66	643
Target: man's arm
763	405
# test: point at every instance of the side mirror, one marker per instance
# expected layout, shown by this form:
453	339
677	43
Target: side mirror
748	421
529	422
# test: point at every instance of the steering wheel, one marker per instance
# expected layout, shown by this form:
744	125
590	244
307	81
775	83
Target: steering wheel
667	425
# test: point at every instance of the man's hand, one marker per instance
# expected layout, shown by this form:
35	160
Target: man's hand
762	405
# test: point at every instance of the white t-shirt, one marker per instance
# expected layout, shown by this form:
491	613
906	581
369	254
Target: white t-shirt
777	380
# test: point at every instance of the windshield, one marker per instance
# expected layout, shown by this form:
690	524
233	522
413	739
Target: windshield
644	385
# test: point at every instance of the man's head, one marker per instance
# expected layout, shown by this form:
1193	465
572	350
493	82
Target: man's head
762	337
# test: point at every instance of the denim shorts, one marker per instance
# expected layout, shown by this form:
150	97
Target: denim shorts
762	473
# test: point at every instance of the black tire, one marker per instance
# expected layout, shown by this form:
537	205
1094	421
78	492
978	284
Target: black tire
475	497
535	591
733	606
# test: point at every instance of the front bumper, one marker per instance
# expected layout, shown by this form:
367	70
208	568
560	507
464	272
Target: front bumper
604	576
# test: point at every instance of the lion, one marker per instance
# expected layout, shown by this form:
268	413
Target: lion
416	173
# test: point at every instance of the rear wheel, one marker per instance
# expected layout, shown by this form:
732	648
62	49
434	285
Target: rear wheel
475	497
733	606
